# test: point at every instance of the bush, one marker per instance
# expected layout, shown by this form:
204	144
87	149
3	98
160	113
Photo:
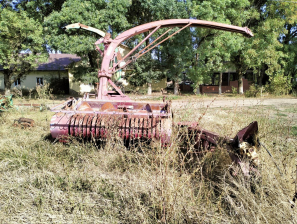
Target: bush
21	93
44	91
234	90
254	91
280	85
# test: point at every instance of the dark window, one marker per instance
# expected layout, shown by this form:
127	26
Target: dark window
233	76
17	82
39	81
225	79
215	78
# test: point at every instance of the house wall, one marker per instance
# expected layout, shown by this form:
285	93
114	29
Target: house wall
225	89
29	81
78	87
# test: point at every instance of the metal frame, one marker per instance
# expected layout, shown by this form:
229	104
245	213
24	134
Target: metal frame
106	72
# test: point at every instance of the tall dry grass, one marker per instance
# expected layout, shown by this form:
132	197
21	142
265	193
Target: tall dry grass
43	181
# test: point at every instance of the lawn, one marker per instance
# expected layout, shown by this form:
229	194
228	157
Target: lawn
45	181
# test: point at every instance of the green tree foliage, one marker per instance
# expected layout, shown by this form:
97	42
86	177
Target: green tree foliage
170	57
286	11
39	9
215	48
213	55
176	55
272	51
22	46
144	72
101	14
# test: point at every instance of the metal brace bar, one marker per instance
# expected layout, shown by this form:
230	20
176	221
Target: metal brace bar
148	36
154	46
164	40
116	88
155	40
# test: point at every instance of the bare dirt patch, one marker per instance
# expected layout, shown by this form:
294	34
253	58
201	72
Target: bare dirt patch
227	102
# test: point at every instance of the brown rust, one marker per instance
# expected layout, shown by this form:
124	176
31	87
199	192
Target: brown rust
107	107
24	123
85	107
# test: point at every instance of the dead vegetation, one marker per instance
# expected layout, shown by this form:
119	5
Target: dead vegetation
43	181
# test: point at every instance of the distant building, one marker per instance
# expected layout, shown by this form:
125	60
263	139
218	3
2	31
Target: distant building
229	81
57	66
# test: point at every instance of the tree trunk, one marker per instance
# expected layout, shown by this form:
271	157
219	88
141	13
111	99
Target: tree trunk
240	83
176	88
220	83
149	89
198	90
7	82
260	77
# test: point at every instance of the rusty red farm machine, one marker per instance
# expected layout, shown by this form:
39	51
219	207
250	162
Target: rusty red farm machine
92	118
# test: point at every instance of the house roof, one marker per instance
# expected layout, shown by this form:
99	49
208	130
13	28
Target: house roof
57	62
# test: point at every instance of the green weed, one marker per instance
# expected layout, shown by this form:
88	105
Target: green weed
294	130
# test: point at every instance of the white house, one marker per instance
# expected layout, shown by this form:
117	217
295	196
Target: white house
57	66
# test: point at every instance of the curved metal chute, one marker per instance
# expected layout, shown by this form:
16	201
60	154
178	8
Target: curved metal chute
85	27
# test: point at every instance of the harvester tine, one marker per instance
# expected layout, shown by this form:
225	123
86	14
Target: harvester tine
158	127
145	120
76	130
72	124
93	127
136	123
140	129
154	127
84	126
132	130
128	120
149	128
97	126
89	126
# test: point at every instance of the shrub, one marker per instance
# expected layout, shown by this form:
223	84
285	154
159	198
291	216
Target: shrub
254	91
44	91
234	90
280	85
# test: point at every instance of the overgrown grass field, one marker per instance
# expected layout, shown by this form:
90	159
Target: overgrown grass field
44	181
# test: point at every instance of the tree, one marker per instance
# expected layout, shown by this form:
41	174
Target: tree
224	11
265	52
144	72
214	57
39	9
286	12
176	55
104	15
22	46
172	55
